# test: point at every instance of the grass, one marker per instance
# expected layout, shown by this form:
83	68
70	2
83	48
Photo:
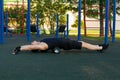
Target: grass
92	33
89	33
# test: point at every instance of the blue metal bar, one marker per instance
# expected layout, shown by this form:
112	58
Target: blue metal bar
37	28
57	23
114	21
79	20
28	23
1	22
6	24
106	22
67	26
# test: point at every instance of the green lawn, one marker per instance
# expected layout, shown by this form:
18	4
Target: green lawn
91	33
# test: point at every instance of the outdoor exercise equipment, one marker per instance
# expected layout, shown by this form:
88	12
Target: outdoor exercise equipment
66	33
60	28
79	20
114	21
1	22
37	28
57	21
28	22
106	21
57	24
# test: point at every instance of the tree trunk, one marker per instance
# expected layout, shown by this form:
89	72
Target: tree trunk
101	18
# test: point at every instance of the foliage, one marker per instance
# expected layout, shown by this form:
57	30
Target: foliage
94	10
14	16
75	25
47	10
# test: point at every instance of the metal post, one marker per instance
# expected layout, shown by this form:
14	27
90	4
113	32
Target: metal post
37	28
106	22
1	22
28	23
57	22
67	27
114	21
79	20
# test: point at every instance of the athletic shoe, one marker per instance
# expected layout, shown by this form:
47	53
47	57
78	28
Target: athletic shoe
16	50
104	47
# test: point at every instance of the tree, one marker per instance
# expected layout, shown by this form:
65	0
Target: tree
15	20
47	9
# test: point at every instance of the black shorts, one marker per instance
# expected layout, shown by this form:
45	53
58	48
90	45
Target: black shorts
71	44
62	43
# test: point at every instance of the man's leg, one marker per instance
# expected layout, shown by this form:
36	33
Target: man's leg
94	47
90	46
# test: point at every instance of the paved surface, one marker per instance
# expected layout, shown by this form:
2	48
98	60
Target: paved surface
69	65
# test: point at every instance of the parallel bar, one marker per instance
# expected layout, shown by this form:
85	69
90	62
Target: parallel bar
79	20
28	23
1	22
57	23
114	21
67	26
106	22
37	28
